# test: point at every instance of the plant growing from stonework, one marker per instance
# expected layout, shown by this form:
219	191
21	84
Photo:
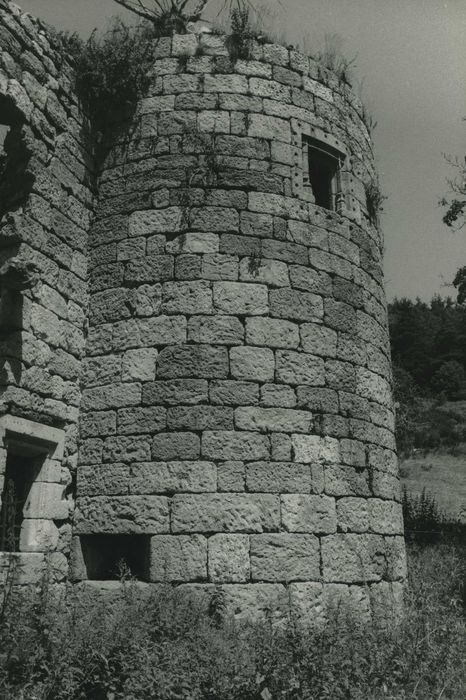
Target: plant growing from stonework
112	70
374	200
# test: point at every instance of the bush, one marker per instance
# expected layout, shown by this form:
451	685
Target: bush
164	648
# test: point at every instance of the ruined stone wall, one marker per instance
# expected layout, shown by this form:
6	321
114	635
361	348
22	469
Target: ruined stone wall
237	409
45	208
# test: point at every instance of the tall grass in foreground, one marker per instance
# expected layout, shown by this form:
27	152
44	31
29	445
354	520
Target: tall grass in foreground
169	650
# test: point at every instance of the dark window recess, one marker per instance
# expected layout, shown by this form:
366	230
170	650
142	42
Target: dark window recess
323	168
109	557
19	476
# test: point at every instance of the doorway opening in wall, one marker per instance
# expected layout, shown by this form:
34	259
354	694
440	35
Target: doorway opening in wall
20	474
112	557
324	166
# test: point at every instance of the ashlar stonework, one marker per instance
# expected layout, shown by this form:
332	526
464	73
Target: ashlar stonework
194	339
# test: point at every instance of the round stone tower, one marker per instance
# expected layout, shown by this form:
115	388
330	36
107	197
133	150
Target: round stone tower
237	418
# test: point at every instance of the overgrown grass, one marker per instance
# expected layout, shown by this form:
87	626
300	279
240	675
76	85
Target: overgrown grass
166	648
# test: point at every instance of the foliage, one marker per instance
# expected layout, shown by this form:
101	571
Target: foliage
407	412
333	58
448	379
165	647
113	70
172	15
425	522
374	200
239	41
424	336
460	285
455	216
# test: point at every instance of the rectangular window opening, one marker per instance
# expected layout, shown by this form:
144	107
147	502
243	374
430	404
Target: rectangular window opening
324	165
111	557
20	474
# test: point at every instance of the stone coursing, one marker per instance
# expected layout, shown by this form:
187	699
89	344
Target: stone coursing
235	401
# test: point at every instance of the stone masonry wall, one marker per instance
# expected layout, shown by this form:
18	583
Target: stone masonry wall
236	405
45	210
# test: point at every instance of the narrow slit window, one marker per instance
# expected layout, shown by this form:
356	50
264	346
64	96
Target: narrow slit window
20	474
323	165
109	557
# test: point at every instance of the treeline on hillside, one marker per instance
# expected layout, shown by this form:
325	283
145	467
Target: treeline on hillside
428	344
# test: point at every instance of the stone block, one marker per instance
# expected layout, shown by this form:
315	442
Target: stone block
202	361
122	515
278	395
175	391
174	446
148	222
318	340
215	330
353	514
95	423
385	517
90	450
272	332
139	365
38	535
46	502
150	269
273	419
103	479
285	557
225	512
353	452
177	558
217	219
374	387
307	604
112	396
311	449
225	83
310	280
317	399
214	121
173	477
354	558
240	298
231	477
339	316
229	559
266	127
278	477
126	449
220	267
258	602
137	420
253	364
235	445
97	371
299	368
313	514
194	242
233	393
273	273
385	485
295	305
342	480
200	418
22	568
193	297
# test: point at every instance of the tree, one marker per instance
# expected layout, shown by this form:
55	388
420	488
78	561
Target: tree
184	9
455	216
449	379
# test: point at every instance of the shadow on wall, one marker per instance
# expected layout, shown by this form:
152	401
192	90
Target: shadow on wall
16	182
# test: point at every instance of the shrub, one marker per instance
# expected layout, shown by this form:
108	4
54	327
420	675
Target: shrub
165	647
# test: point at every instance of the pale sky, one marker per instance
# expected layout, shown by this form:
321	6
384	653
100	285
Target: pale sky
411	56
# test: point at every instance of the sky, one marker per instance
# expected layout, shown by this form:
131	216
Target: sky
411	59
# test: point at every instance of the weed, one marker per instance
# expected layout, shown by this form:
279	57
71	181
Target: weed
374	200
165	645
333	58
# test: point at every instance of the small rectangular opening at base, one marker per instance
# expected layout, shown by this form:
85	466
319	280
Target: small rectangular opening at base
112	557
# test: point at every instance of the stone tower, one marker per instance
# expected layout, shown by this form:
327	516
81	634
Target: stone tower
217	331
